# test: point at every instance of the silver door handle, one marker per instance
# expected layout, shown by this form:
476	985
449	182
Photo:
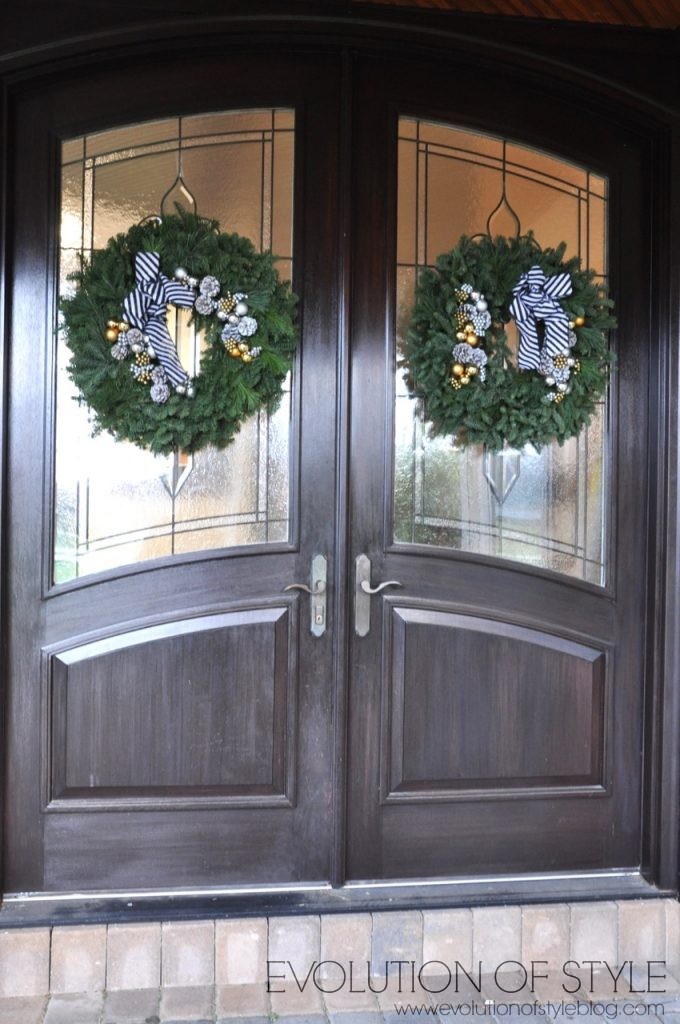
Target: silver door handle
368	589
319	587
317	590
362	595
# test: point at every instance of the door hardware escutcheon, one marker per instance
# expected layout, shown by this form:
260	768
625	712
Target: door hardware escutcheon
317	592
362	594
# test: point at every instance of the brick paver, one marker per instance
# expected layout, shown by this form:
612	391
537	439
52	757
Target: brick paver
174	1006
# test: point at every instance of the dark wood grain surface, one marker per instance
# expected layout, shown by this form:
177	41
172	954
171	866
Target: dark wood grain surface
354	731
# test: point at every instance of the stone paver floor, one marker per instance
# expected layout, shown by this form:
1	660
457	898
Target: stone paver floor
251	1004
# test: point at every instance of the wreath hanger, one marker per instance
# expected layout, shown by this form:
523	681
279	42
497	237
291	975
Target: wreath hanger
179	183
502	202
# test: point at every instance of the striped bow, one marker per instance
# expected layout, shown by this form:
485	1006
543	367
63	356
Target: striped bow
146	308
535	298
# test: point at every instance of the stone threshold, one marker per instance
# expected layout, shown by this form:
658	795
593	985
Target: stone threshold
90	971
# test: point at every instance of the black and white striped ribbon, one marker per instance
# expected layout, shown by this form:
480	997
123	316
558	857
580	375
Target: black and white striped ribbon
535	298
146	308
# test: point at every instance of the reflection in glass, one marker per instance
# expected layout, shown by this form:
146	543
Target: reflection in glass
541	508
116	504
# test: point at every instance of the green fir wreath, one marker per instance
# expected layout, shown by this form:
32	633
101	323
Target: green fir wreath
124	363
491	401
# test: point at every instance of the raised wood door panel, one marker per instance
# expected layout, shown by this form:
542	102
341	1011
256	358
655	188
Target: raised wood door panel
501	708
495	708
227	699
166	718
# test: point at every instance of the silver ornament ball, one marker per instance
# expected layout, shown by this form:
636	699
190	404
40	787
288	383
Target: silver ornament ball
221	315
232	318
562	388
191	391
481	305
137	346
241	308
180	389
192	282
550	381
151	351
181	274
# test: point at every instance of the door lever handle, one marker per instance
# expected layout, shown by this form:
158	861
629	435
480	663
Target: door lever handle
368	589
319	587
362	594
317	591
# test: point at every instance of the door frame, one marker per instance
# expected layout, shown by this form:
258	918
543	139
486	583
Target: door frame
389	31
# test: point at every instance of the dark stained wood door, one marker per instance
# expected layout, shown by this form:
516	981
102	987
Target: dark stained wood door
171	725
495	709
169	722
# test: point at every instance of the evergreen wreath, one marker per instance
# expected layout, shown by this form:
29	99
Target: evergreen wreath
457	354
116	330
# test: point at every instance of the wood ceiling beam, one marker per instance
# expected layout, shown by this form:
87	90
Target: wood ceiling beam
663	14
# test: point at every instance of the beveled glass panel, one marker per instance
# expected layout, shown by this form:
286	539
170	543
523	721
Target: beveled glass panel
116	504
125	191
541	508
131	137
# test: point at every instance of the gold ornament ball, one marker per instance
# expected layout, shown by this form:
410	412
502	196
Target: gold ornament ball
579	321
460	336
472	371
246	357
472	340
465	379
112	323
457	369
123	325
243	346
111	334
234	352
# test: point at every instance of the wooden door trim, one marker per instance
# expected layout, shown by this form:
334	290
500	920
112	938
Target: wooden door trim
34	70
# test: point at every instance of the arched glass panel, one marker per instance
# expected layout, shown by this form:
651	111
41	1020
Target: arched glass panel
116	504
543	508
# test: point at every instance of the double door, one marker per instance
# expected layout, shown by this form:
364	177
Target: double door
177	715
